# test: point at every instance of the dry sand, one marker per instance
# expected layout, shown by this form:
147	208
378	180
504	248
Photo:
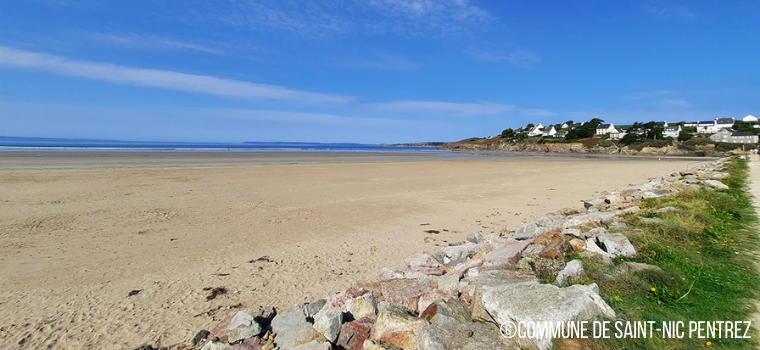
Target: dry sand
75	242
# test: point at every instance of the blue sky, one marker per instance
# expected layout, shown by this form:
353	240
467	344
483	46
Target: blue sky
367	70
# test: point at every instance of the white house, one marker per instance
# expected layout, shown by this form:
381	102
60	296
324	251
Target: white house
750	119
671	131
706	127
549	131
730	136
604	129
721	123
536	131
617	134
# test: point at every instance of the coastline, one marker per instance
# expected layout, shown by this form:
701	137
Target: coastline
79	240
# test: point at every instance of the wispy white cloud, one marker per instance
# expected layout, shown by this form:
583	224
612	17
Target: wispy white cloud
668	12
152	43
459	109
328	17
163	79
519	58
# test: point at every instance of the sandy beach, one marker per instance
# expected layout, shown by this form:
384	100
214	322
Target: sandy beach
77	238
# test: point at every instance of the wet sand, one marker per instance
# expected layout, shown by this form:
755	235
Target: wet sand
77	239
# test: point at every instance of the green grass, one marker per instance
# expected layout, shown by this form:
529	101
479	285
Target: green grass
705	251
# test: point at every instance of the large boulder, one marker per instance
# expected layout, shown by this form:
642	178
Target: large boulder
327	322
532	301
363	306
464	336
528	231
715	184
634	267
315	345
353	334
571	273
595	217
616	245
396	326
446	311
507	256
406	291
293	329
242	325
425	263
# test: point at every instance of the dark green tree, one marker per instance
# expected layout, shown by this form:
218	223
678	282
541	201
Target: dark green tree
743	126
684	136
585	131
508	133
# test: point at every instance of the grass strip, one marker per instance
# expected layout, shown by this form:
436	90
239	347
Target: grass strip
706	249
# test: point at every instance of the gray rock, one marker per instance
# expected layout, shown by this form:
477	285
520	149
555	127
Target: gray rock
649	194
395	325
389	274
456	252
572	272
665	210
528	231
475	237
616	245
373	344
551	221
363	306
405	291
312	308
293	329
653	221
632	209
450	282
612	225
425	263
715	184
582	219
327	322
633	267
242	326
596	231
215	345
596	254
446	311
464	336
573	232
507	256
315	345
532	301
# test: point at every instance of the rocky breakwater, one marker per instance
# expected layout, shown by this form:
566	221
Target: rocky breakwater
460	296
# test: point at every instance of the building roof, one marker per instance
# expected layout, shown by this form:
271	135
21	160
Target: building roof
706	122
724	120
671	128
603	126
738	133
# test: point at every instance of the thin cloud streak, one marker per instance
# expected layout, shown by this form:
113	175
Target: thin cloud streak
163	79
324	18
462	109
150	42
